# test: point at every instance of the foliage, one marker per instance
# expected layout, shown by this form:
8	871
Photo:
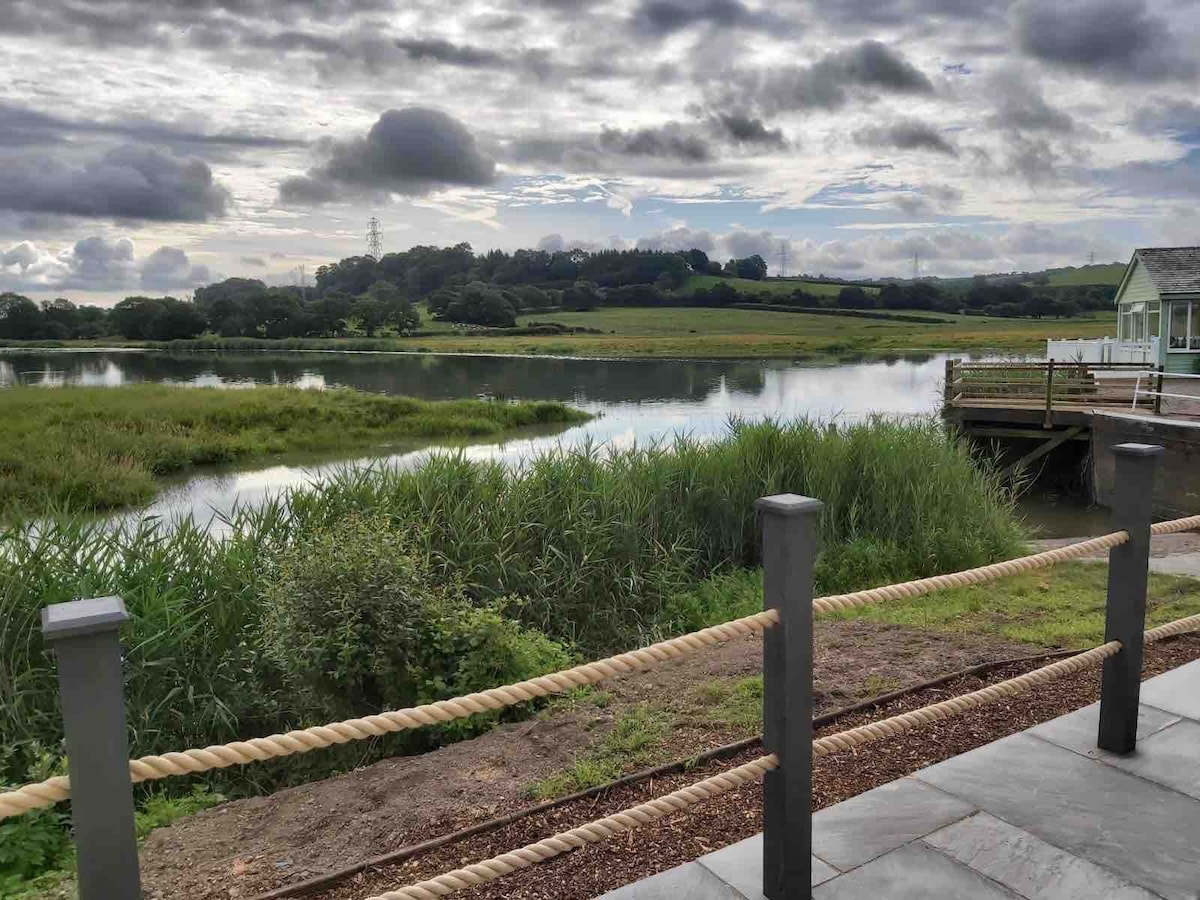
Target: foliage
1062	607
88	448
355	619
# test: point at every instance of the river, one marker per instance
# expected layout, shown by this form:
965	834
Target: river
636	402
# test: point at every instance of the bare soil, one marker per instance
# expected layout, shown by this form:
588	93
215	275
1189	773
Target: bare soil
247	847
602	867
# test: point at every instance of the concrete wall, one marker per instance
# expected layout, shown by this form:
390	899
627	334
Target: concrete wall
1177	489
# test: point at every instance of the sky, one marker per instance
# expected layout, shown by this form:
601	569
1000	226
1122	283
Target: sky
150	146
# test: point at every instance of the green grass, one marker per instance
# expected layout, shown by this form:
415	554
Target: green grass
593	548
769	286
1106	273
1061	607
627	746
734	704
86	448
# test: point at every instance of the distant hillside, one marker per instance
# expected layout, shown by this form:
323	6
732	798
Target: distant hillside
773	286
1107	273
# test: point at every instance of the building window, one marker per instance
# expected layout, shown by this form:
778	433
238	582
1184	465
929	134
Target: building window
1137	323
1185	326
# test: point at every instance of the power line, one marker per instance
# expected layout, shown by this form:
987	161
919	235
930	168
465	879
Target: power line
374	239
784	255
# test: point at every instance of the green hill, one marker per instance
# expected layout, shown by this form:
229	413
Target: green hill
1108	273
772	286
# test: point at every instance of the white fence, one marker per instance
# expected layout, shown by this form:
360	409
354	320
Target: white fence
1102	350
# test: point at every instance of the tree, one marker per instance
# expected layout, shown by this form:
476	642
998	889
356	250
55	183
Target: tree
371	313
481	304
754	267
698	260
20	318
854	297
582	295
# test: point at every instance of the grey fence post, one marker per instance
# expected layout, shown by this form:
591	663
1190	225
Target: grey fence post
85	637
789	547
1128	568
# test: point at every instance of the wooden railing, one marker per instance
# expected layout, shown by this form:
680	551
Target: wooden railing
1049	385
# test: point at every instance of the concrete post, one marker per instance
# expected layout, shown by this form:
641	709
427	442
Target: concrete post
789	542
84	635
1128	568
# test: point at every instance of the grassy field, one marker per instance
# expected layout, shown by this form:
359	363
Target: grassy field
740	333
1110	273
706	333
84	448
769	286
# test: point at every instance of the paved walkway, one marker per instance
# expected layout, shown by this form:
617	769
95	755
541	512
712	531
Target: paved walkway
1040	815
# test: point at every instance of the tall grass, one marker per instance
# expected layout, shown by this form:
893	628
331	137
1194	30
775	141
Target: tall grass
595	542
89	448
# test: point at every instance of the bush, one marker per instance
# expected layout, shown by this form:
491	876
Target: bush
358	621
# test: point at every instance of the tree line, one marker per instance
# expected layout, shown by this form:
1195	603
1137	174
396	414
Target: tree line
364	295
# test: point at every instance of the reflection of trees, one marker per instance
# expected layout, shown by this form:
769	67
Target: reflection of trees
418	375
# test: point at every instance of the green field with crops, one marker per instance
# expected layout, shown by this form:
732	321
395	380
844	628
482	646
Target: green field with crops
768	286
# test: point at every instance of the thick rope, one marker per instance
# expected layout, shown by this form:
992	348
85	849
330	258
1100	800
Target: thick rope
924	586
1188	523
594	832
591	833
190	762
1179	626
905	722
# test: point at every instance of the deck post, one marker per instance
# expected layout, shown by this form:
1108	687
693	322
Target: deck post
1158	396
1049	421
789	550
1128	568
948	389
84	635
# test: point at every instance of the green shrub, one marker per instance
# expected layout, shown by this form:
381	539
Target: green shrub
357	622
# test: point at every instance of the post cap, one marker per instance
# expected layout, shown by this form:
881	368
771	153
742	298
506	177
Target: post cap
1137	450
80	617
788	505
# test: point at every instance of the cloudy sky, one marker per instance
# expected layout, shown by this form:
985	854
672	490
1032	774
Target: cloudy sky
151	145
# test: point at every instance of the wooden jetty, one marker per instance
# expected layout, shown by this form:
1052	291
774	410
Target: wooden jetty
1031	410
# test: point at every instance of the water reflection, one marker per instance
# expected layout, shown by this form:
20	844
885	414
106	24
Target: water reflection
637	401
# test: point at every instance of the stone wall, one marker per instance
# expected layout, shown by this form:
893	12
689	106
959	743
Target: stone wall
1177	489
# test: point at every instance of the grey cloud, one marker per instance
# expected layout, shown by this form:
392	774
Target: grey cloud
1021	106
257	261
127	182
906	12
23	126
663	17
168	268
929	200
679	238
409	151
1162	114
98	264
826	84
669	141
906	134
443	51
23	255
1118	40
741	128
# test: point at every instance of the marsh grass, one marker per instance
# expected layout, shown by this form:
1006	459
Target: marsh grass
599	547
85	448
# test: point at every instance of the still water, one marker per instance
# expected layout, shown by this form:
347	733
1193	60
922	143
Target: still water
636	401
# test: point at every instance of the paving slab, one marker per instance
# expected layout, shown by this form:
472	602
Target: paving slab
1177	564
1177	691
1171	758
1146	832
1027	865
1078	730
914	872
740	866
687	881
857	830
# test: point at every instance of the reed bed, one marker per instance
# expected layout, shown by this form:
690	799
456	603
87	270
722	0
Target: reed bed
587	546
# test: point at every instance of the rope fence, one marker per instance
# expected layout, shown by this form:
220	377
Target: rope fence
195	761
594	832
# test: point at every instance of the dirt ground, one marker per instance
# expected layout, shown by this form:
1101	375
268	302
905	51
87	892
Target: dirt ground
602	867
245	848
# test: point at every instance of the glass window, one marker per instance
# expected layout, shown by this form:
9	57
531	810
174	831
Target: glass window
1179	326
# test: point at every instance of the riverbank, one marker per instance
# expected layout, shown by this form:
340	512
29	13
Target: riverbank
83	449
689	333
